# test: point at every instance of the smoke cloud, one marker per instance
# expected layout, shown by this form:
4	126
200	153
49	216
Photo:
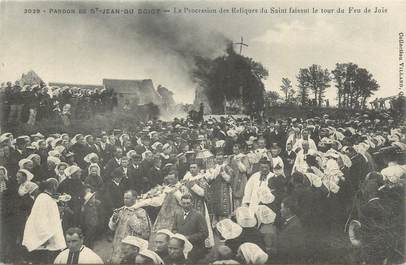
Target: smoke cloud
178	36
173	42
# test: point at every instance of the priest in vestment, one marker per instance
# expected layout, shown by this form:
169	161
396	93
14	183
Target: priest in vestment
257	193
77	253
198	186
240	165
220	193
43	234
129	220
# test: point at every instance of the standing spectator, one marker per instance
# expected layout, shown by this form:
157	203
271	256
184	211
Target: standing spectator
73	186
192	225
34	101
112	193
113	163
90	217
15	102
7	101
106	149
94	179
290	246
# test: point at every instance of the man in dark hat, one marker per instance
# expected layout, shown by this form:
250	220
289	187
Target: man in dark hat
106	149
290	246
288	157
16	105
80	149
134	173
113	192
275	135
374	216
113	163
16	154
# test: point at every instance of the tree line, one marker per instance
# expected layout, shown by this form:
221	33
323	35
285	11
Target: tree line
354	86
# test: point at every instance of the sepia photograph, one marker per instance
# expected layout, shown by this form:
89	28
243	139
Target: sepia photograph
202	132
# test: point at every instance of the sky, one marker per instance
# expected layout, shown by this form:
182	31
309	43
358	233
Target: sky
87	48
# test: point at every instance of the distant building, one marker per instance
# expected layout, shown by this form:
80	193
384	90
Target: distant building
129	92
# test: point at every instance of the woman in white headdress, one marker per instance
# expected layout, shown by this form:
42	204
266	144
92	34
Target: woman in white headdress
93	177
249	253
60	171
24	202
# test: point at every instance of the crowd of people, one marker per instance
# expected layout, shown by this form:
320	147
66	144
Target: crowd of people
227	191
32	103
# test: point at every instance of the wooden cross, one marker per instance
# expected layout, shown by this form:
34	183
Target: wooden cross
241	44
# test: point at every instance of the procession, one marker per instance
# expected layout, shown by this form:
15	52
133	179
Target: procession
226	191
169	133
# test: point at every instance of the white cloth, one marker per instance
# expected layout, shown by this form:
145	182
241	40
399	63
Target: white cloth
44	224
394	173
312	144
253	254
253	187
277	161
86	256
300	164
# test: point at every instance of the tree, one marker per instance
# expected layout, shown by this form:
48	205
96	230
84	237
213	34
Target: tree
302	88
339	77
292	96
354	85
365	86
316	79
286	87
232	79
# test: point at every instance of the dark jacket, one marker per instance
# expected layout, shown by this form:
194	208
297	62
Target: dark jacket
288	161
163	255
106	154
290	243
112	196
194	227
109	167
80	151
95	181
76	189
135	179
155	177
175	261
278	137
